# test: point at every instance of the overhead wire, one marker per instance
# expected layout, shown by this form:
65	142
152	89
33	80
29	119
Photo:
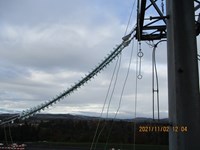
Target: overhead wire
5	135
138	68
108	107
136	75
110	99
122	93
136	98
150	44
107	94
27	113
10	134
133	5
113	90
111	96
125	81
155	88
130	16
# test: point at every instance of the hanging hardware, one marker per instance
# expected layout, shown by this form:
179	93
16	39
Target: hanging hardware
162	6
140	54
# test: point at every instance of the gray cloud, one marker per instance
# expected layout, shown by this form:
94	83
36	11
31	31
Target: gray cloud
46	46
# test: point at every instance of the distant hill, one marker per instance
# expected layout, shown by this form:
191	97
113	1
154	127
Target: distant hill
81	129
41	117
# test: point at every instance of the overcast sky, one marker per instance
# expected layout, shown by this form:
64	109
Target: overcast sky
47	45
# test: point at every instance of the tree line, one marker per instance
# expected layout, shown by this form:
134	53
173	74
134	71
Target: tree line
83	131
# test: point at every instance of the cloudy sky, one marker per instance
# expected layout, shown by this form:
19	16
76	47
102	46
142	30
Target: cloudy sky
47	45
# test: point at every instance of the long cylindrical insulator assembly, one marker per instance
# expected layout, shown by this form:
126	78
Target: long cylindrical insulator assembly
25	114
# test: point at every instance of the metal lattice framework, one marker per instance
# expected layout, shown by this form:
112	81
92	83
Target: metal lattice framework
151	20
197	16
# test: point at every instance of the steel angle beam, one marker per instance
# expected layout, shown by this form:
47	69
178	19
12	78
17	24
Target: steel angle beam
197	5
197	16
153	27
150	27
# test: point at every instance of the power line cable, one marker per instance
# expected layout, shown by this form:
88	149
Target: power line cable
131	13
122	92
9	130
150	44
155	89
5	135
130	16
138	71
136	98
125	81
108	91
113	90
111	96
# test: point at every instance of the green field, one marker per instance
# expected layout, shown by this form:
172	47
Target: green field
100	146
131	147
